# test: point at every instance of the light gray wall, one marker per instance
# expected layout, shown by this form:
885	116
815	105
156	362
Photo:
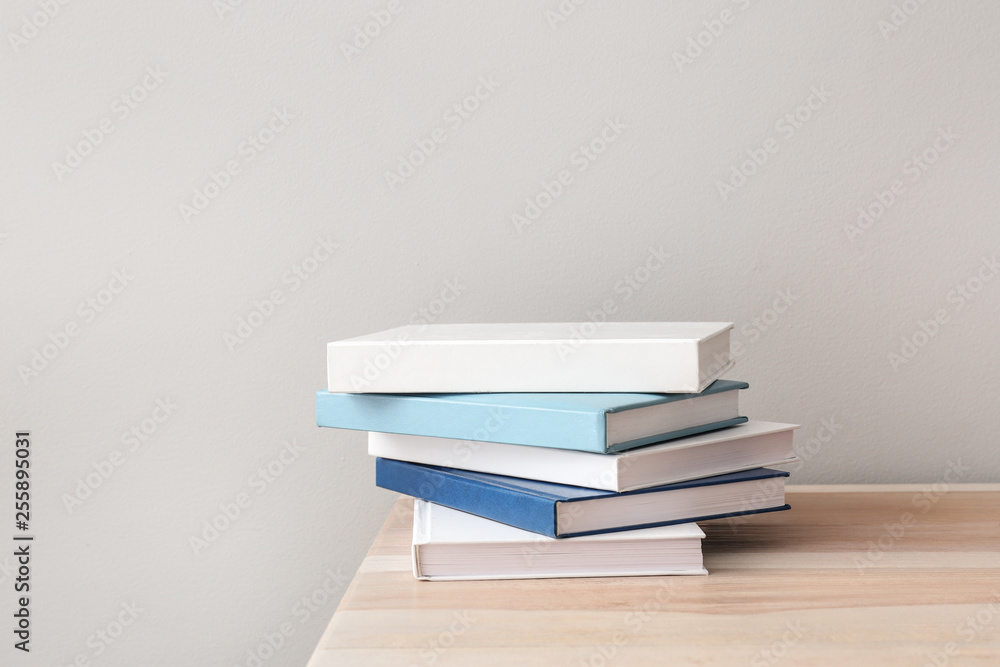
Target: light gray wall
881	93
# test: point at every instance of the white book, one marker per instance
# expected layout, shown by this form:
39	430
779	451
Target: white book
654	357
756	444
453	545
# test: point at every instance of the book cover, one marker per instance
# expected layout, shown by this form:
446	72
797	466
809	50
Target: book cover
653	357
558	510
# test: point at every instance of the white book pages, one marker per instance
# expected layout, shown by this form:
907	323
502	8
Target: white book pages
453	545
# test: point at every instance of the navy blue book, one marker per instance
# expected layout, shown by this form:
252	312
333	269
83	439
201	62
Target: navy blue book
557	510
600	423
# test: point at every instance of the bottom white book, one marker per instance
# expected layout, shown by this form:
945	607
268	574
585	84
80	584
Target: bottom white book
453	545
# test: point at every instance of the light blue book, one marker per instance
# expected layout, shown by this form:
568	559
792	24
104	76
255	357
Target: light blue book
588	422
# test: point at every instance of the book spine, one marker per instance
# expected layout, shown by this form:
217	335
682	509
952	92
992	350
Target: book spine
512	425
521	510
663	366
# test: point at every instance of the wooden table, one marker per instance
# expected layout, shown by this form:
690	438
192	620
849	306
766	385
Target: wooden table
852	575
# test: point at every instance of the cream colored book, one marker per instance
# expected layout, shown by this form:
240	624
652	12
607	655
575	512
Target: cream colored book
756	444
654	357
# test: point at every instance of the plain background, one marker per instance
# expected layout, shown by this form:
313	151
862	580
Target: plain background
885	82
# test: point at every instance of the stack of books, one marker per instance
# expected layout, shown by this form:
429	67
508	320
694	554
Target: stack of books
557	450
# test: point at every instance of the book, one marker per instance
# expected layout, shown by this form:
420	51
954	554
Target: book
653	357
756	444
598	422
453	545
559	510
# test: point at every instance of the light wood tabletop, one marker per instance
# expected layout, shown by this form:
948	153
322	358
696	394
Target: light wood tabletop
851	575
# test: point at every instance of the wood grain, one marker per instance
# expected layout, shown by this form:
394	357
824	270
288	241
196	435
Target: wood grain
886	575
